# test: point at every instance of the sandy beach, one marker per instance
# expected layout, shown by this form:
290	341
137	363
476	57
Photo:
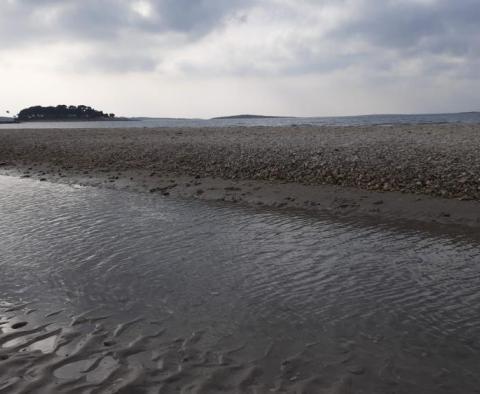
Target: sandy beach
427	173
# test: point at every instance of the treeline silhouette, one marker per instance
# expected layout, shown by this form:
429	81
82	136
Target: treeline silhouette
62	112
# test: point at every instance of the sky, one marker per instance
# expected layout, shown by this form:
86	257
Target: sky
205	58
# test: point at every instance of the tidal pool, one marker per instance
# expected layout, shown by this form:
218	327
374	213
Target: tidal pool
104	291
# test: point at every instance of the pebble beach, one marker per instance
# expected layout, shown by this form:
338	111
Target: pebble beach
436	162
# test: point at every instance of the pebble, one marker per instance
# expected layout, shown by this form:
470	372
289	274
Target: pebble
368	157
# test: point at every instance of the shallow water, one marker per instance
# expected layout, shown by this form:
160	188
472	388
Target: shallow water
364	120
158	295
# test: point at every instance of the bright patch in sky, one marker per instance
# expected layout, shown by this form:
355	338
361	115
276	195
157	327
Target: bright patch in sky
143	8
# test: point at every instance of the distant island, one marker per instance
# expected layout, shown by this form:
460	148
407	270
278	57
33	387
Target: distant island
62	113
250	117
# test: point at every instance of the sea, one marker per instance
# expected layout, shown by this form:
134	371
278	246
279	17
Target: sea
363	120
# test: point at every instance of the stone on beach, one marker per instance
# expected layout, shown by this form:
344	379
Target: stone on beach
437	160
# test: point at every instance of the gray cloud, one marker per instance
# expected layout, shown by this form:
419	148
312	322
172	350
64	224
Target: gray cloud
105	61
441	35
106	19
198	16
439	26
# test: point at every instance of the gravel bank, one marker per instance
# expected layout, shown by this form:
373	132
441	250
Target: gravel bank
437	160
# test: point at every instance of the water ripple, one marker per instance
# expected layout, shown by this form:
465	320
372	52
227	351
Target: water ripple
399	300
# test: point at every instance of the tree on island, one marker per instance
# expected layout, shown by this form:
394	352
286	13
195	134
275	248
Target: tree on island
62	112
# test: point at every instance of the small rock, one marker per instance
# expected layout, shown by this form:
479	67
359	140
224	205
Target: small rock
16	326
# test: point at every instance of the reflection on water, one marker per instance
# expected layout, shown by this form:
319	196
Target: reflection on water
164	295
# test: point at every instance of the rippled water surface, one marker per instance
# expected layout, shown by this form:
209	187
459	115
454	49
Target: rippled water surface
122	290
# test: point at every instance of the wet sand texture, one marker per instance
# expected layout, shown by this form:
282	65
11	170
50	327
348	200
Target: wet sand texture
85	356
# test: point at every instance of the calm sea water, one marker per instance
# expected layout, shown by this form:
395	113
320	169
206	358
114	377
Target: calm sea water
161	295
468	117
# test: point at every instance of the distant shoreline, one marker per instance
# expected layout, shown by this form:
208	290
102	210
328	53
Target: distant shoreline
7	120
73	120
252	117
15	121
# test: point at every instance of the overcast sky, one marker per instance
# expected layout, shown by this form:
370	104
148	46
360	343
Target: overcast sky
202	58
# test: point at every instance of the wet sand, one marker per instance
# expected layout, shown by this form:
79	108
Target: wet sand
425	173
80	354
106	291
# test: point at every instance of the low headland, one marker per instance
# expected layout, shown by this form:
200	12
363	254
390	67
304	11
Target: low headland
247	116
62	113
421	173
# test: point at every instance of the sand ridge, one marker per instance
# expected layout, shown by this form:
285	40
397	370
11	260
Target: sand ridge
419	172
